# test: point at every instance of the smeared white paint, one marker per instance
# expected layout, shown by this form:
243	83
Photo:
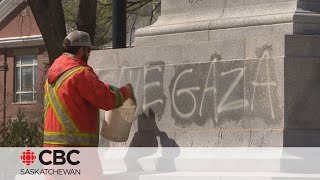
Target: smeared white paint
269	83
238	104
183	91
135	85
121	77
207	89
149	86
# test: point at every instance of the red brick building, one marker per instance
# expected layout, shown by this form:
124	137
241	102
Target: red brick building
23	52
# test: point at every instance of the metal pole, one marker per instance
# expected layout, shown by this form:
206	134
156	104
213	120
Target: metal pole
5	87
119	30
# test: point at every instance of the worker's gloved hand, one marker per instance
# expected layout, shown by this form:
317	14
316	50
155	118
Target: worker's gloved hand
113	88
126	91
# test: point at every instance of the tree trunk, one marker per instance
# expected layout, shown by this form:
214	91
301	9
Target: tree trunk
87	15
50	20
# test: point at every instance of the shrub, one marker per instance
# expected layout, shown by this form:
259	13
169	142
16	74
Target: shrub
21	132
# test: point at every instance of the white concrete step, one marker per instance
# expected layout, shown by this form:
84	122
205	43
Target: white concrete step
198	163
274	160
113	175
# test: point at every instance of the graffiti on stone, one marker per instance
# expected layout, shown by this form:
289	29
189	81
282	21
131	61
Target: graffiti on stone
154	96
229	80
213	92
208	101
147	82
263	55
185	88
262	87
208	91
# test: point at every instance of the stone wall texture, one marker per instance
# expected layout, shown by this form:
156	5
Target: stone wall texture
222	73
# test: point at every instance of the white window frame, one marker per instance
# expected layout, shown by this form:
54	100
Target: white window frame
34	66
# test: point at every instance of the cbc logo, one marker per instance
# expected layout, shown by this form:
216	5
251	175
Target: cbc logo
28	157
59	157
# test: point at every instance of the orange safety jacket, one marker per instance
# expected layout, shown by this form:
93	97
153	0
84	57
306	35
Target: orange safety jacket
73	97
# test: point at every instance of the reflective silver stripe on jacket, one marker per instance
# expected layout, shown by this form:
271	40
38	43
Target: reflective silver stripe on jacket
72	140
60	112
70	134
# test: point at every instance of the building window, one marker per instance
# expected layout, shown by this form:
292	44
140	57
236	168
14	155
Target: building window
25	78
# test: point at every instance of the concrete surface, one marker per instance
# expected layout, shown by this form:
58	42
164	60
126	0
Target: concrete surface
253	84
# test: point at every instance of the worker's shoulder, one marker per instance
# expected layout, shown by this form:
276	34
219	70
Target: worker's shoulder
84	71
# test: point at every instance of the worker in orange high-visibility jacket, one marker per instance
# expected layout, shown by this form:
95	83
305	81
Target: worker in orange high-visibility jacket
74	95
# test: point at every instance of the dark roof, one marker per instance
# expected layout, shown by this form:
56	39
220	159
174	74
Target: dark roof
9	9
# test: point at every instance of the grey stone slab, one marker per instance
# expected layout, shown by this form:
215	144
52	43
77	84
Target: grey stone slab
211	73
203	15
180	38
197	138
202	76
266	138
150	86
255	46
237	3
263	88
142	56
302	46
103	59
229	96
167	123
183	6
154	98
213	138
195	82
234	138
267	30
187	94
185	53
202	51
264	9
233	49
230	49
302	89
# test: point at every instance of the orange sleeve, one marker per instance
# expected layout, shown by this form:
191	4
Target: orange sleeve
96	92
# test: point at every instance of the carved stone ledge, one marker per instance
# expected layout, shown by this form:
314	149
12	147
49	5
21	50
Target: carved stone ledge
203	15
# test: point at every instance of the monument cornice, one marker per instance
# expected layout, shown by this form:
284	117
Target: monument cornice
302	14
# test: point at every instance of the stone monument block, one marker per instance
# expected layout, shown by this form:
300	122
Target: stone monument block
223	73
